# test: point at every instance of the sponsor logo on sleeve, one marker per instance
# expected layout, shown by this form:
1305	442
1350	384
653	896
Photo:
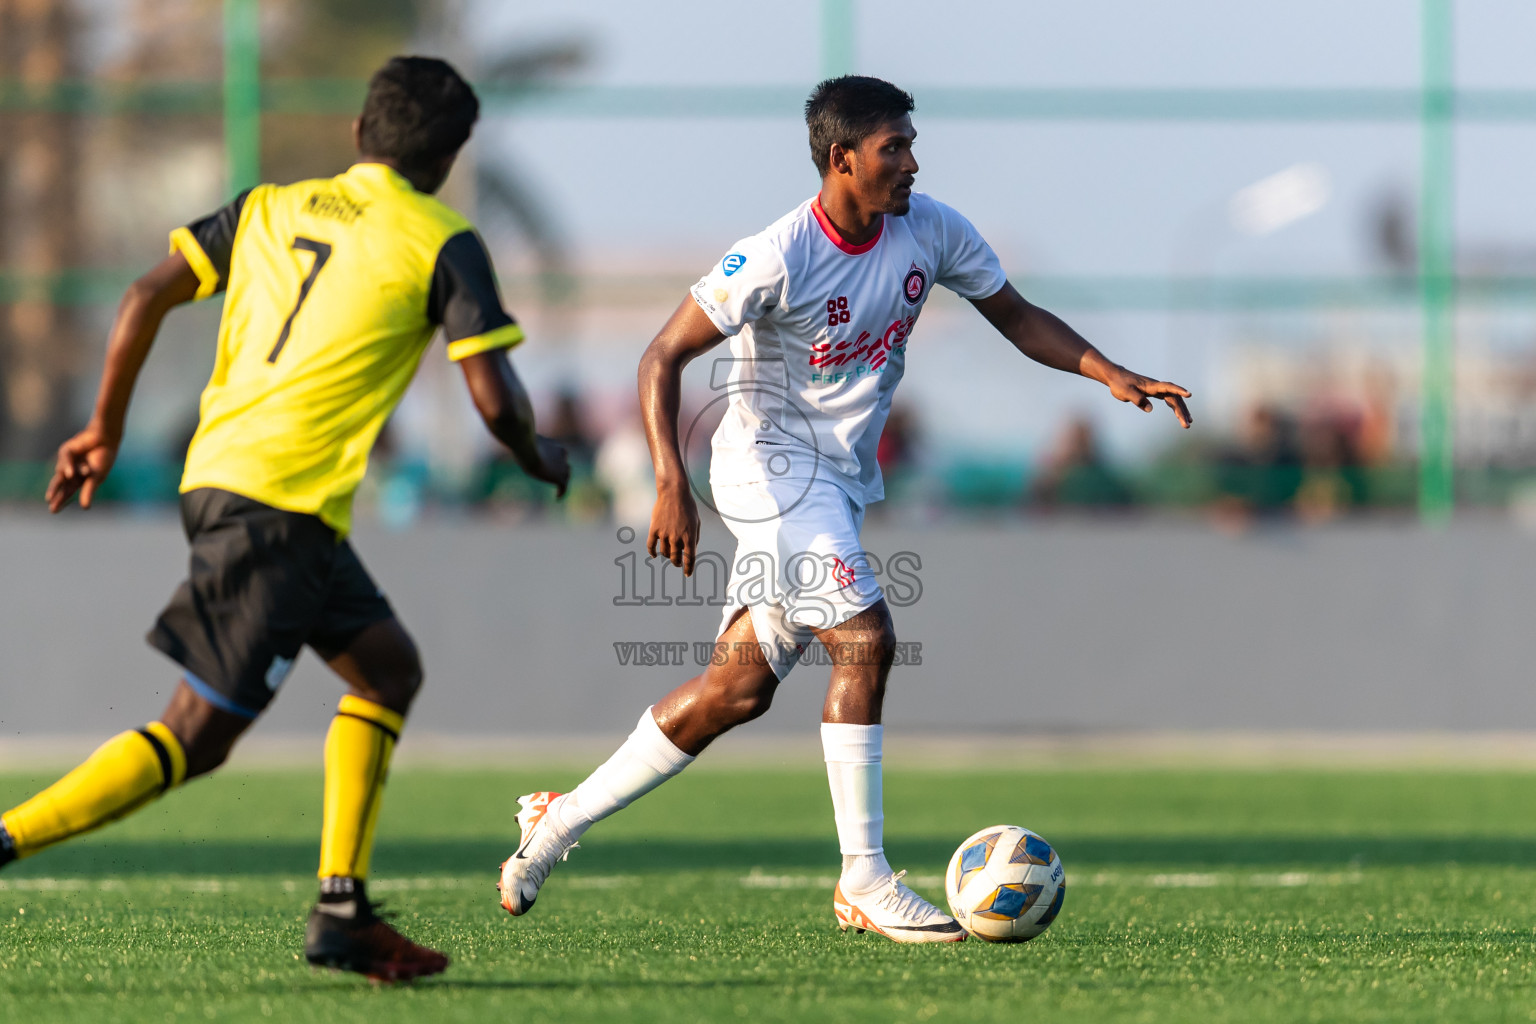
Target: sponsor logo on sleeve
914	284
732	263
703	299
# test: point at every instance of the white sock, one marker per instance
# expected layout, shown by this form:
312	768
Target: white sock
853	772
645	761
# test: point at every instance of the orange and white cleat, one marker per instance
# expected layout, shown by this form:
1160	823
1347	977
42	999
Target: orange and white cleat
896	912
543	845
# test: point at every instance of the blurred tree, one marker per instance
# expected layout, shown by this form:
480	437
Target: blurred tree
101	191
327	39
40	340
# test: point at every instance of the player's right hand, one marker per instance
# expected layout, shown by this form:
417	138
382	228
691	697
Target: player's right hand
83	463
674	528
554	467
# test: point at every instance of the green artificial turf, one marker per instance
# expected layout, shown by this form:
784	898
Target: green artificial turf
1193	896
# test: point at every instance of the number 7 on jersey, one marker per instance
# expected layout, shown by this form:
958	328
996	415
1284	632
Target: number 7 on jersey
322	251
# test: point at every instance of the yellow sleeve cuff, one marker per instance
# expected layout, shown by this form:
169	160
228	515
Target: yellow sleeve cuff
501	337
207	277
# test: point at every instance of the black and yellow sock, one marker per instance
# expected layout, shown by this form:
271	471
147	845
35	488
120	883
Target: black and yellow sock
358	747
124	774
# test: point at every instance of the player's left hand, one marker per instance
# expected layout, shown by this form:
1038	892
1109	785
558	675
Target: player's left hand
1140	391
554	466
83	463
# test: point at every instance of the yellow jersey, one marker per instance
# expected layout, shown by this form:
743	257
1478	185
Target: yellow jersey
334	288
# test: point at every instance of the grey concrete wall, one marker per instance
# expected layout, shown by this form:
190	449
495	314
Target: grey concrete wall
1024	628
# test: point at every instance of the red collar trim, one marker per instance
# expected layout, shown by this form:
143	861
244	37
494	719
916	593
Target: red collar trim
830	230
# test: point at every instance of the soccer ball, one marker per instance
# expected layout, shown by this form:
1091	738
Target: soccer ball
1005	884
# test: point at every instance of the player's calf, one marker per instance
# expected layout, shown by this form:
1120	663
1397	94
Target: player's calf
128	771
381	664
552	822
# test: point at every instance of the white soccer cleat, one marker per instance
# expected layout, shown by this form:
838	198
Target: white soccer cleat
542	846
896	912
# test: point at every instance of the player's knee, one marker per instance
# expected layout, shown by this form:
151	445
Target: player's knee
868	638
398	688
205	733
392	677
410	676
874	648
744	707
883	647
731	704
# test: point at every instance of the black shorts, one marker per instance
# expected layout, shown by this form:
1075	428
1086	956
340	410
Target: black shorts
263	583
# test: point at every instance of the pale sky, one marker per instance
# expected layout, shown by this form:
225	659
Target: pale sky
1137	198
1054	197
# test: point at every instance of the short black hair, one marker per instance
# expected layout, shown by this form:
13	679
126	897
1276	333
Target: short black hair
845	111
418	111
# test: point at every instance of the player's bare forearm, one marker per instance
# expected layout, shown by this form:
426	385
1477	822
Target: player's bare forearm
507	412
675	520
661	388
1047	339
170	283
687	334
1039	334
84	461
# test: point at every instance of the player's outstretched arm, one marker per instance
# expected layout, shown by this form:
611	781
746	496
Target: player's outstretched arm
674	532
1046	338
85	459
508	414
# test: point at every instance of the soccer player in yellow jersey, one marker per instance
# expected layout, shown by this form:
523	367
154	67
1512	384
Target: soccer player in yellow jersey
333	290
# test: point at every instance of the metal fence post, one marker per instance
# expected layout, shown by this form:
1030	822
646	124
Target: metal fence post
242	93
1437	264
837	38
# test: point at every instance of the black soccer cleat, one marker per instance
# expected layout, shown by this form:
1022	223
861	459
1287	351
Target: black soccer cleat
351	936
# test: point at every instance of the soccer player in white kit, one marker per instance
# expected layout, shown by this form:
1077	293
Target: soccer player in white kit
819	309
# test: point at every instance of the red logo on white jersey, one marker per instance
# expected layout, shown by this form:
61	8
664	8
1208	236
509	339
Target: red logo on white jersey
841	573
837	311
865	347
912	287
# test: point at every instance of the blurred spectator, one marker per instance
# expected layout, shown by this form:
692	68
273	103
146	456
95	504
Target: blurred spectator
897	453
512	493
1376	437
624	467
1259	477
568	425
1076	475
1332	480
894	452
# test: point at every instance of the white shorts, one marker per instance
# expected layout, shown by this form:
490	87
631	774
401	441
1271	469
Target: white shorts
799	564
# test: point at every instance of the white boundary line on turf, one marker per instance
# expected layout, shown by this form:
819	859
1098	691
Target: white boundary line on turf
1184	880
190	884
757	879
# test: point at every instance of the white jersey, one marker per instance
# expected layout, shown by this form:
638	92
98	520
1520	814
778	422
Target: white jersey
819	330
